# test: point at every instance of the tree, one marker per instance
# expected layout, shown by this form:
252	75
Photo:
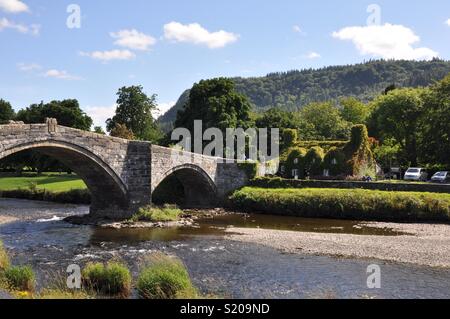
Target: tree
435	140
6	112
134	110
67	112
354	111
217	104
120	130
397	115
99	130
327	121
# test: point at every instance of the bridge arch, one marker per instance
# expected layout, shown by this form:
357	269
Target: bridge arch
199	188
107	189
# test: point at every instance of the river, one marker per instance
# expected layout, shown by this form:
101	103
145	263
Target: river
218	265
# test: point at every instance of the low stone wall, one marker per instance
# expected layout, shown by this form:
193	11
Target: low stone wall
405	187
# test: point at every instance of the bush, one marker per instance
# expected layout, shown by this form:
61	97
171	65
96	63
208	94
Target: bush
164	277
20	278
75	196
112	279
4	259
345	204
166	213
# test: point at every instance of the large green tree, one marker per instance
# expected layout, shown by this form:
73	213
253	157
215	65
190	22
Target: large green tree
397	115
134	110
6	112
326	120
67	112
217	104
435	140
354	111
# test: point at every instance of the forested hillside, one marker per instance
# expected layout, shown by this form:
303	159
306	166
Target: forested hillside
294	89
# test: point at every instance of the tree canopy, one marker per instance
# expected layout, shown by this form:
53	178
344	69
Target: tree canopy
6	112
134	110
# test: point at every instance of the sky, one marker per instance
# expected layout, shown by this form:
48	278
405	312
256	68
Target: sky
88	49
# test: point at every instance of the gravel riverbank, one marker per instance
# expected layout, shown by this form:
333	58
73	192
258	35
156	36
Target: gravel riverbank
427	244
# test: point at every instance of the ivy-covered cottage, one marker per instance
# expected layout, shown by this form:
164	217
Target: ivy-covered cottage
332	159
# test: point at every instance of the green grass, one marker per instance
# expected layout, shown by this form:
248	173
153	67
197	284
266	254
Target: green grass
4	259
113	278
53	182
164	277
345	204
166	213
20	278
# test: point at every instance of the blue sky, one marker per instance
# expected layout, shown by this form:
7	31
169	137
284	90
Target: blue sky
166	46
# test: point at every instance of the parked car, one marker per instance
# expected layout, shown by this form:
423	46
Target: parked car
441	177
416	174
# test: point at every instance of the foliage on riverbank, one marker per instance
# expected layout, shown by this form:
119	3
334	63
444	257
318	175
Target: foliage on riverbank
75	196
4	259
345	204
52	182
164	277
20	278
112	279
167	213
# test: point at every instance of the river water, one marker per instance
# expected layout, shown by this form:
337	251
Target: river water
217	265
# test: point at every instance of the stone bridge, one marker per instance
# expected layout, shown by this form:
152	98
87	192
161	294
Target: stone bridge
120	174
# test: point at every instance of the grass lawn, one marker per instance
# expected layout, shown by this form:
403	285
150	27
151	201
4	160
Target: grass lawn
54	182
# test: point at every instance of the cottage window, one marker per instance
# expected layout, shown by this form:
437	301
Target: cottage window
334	161
296	161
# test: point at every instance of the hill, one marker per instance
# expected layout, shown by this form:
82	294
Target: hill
294	89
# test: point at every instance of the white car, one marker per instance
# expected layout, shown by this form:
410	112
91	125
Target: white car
441	177
416	174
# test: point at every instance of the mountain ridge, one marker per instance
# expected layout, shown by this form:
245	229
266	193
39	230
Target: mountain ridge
294	89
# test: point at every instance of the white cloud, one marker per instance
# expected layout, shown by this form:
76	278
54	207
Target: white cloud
106	56
28	67
60	74
297	29
133	39
13	6
8	24
313	55
196	34
163	108
448	22
386	41
100	114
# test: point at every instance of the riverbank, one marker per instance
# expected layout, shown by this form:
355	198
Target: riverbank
354	204
425	244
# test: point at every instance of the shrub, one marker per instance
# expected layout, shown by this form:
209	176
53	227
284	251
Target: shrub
250	168
166	213
20	278
164	277
4	259
75	196
362	162
112	279
345	204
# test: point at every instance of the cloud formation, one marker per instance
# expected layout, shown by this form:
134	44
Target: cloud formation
111	55
448	22
313	55
194	33
60	74
100	114
28	67
13	6
32	29
387	41
133	39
